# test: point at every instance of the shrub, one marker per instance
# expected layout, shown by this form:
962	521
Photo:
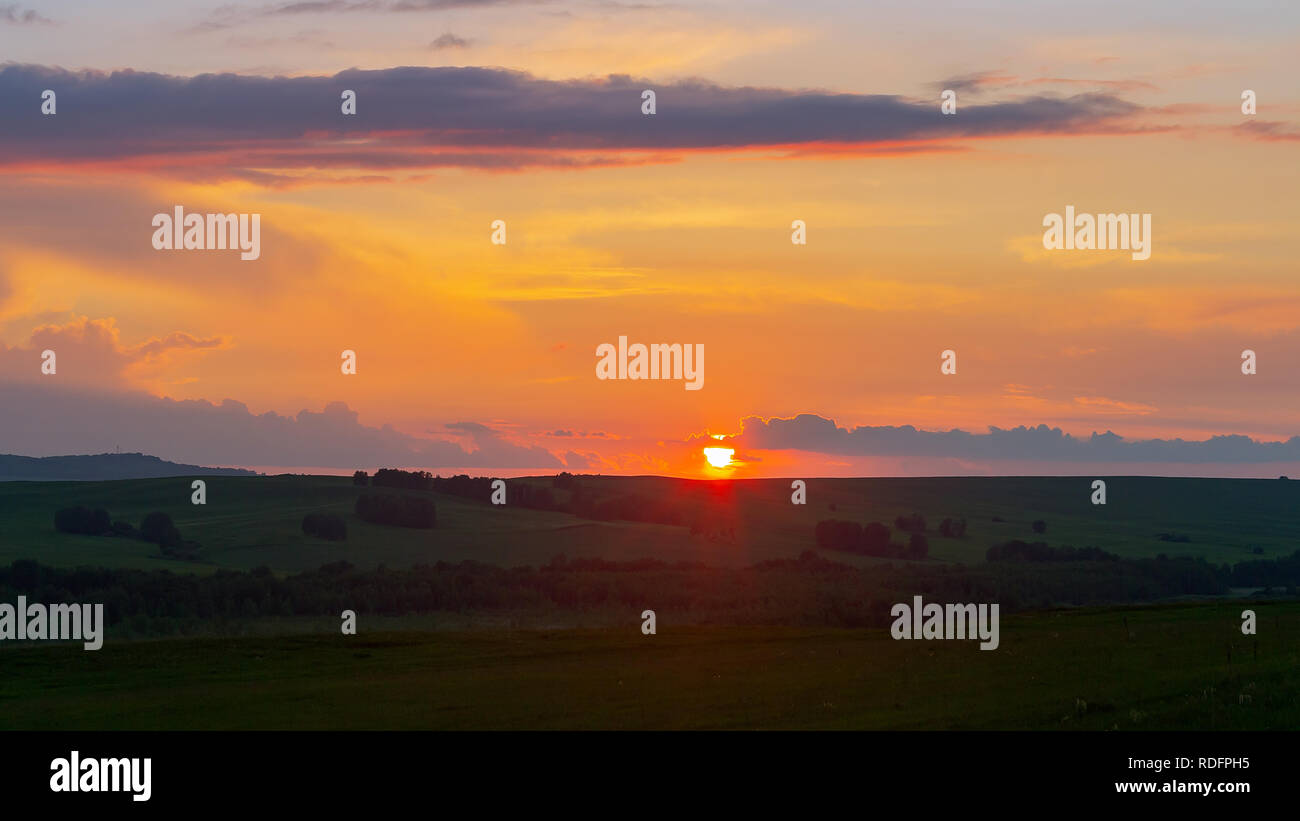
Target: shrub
157	527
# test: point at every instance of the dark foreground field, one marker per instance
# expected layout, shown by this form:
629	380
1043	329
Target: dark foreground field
1166	667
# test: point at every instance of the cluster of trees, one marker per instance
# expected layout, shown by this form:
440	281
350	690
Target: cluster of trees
871	540
156	527
565	480
402	511
1282	571
403	479
581	501
477	488
1018	551
325	526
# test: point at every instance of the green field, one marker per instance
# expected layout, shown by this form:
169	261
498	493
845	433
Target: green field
1166	667
253	521
1182	665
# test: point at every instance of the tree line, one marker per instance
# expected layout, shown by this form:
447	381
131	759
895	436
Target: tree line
156	527
809	590
872	539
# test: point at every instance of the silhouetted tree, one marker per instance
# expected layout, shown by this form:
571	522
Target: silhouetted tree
157	527
564	481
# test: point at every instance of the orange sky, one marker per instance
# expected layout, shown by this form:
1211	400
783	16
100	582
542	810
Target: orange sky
914	246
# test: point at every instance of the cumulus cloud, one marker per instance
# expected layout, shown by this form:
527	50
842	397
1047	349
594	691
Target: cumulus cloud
47	418
91	352
809	432
581	461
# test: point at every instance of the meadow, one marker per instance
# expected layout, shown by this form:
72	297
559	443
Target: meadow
256	521
764	631
1149	668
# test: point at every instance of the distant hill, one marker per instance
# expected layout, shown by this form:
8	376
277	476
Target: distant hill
101	466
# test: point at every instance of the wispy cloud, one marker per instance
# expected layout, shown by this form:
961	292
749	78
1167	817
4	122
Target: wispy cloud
447	41
13	14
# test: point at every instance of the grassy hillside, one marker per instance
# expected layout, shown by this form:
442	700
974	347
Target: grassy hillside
1181	667
252	521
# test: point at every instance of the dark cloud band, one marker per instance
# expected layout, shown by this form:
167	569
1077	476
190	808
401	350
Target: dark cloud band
474	117
809	432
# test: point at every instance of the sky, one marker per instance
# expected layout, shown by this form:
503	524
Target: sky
924	234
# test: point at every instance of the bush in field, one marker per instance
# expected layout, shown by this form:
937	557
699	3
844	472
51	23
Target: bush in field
82	520
157	527
325	526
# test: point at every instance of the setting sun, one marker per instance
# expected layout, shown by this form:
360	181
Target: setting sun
719	457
